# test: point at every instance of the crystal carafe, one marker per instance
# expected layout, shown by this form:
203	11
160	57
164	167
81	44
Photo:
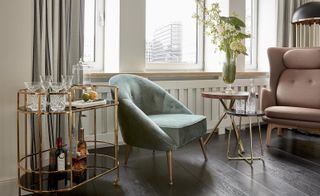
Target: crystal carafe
252	99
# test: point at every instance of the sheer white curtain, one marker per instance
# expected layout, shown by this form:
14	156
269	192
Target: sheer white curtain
57	46
287	32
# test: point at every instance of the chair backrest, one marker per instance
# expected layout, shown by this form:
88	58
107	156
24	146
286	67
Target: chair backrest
146	95
295	76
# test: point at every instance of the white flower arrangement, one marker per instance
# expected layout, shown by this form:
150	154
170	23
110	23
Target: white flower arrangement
225	32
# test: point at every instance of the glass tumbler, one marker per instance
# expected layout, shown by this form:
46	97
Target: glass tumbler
57	101
33	99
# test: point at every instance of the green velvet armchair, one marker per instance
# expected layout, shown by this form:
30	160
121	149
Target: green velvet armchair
149	117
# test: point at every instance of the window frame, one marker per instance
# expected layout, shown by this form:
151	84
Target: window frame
97	64
102	65
254	37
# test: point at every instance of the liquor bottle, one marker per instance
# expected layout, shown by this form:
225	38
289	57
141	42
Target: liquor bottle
80	162
82	150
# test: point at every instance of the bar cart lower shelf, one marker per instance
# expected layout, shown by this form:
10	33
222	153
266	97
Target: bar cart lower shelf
34	173
30	181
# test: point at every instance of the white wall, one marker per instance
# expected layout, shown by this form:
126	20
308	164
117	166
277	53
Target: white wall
267	27
16	63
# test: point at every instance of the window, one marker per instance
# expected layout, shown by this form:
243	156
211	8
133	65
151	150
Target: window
171	35
251	26
173	39
93	34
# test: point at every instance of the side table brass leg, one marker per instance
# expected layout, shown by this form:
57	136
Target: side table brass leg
228	148
237	133
250	127
260	138
203	149
214	129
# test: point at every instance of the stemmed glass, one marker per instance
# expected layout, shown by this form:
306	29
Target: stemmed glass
67	81
57	101
32	88
46	81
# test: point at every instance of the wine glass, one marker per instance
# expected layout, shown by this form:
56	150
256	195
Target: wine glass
32	86
45	81
67	81
56	86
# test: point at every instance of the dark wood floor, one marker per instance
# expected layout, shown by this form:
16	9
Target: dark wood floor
291	167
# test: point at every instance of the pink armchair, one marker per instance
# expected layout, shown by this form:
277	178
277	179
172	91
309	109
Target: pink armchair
293	100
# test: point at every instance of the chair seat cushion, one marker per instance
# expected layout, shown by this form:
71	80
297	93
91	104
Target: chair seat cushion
293	113
182	128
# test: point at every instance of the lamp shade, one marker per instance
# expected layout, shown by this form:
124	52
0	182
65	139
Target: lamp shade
308	13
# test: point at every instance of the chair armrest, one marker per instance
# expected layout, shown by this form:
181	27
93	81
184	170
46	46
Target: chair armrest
173	106
267	99
139	130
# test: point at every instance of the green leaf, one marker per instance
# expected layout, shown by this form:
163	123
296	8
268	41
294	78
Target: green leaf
242	36
236	22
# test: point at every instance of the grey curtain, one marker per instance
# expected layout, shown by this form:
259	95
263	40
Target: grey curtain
286	32
58	36
57	46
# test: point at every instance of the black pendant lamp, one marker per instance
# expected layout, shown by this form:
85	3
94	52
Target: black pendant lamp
307	14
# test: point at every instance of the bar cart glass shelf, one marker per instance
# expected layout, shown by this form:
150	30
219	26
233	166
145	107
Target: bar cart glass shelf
34	174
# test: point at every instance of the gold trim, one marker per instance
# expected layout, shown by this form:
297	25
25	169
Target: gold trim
40	171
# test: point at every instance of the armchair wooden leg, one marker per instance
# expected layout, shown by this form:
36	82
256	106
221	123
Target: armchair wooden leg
128	150
169	160
268	138
279	131
203	149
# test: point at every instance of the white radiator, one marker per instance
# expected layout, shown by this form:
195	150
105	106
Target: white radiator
189	93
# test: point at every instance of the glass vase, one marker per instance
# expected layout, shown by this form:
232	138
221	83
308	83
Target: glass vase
229	73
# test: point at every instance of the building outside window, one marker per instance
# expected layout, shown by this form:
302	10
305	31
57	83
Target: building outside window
171	33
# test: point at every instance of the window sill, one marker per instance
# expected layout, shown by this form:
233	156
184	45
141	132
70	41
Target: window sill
176	75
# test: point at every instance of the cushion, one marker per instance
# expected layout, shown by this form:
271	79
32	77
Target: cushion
302	58
182	128
300	88
293	113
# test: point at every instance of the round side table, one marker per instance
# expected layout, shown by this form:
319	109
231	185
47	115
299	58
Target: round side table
256	114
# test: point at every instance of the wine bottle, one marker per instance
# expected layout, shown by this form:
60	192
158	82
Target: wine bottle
60	156
61	164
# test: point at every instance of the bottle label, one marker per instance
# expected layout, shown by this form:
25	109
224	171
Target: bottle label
61	162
